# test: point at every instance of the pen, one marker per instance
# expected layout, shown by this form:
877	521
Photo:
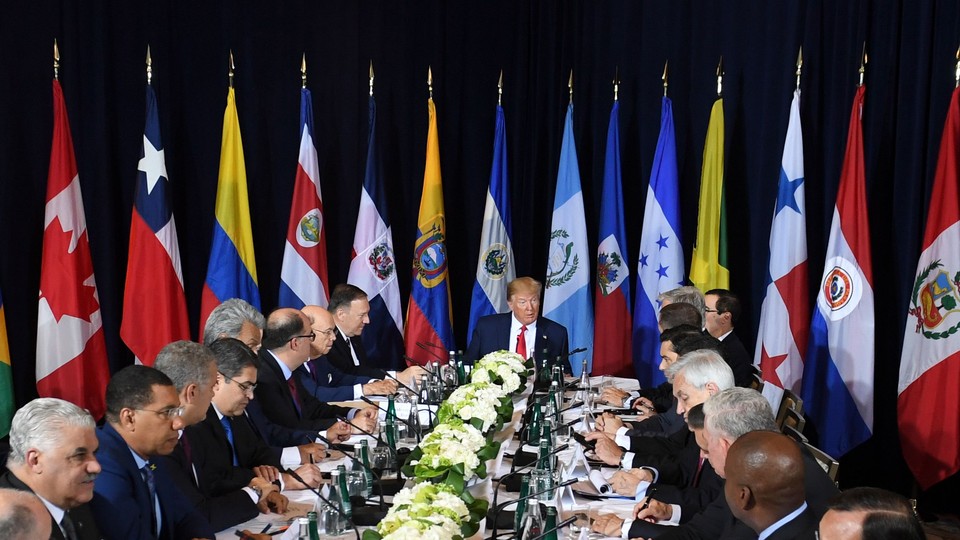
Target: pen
280	530
265	529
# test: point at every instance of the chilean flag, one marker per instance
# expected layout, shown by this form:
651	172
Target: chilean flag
71	351
303	276
154	306
783	334
612	327
838	372
928	406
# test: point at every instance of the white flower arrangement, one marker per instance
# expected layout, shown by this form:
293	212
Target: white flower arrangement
447	446
511	359
493	373
476	400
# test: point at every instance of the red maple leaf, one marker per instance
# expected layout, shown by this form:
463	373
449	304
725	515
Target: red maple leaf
63	274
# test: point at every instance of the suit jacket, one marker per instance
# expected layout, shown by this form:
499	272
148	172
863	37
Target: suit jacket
661	396
802	527
222	506
81	516
275	413
664	424
736	356
340	357
327	383
492	333
121	500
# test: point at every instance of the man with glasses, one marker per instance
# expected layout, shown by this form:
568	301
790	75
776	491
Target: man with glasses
134	496
293	415
721	313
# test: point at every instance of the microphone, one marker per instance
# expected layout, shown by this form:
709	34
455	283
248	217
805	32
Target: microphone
365	399
503	505
316	492
559	526
368	518
496	489
431	413
428	348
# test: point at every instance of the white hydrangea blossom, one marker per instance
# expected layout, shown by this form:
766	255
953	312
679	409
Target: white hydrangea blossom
511	359
449	445
424	511
477	400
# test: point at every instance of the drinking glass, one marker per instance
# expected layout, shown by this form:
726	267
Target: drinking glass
541	480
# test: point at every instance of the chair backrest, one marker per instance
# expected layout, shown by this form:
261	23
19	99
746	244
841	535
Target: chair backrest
829	465
793	419
756	382
794	433
789	401
755	369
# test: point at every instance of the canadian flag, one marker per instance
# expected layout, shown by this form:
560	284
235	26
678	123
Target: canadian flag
71	352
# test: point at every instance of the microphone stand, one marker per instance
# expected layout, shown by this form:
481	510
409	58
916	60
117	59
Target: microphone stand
369	518
316	492
367	400
559	526
496	489
503	505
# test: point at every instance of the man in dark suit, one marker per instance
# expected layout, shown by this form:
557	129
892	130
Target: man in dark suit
722	311
764	487
23	516
52	445
522	330
134	496
294	415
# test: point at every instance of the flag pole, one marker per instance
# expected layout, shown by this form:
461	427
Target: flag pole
149	66
616	84
570	85
430	81
303	71
232	68
956	72
799	65
664	77
500	89
863	63
371	78
56	60
720	77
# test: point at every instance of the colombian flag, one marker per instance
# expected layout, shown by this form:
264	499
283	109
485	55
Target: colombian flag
429	316
232	271
709	265
6	377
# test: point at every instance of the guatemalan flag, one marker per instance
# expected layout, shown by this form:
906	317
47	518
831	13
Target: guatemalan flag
928	405
567	296
232	270
838	372
303	276
429	312
613	326
660	266
495	266
154	305
784	331
373	267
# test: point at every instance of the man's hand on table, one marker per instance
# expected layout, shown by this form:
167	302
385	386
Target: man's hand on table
652	510
309	473
625	483
608	525
609	423
266	472
606	449
339	432
613	396
385	387
410	373
312	452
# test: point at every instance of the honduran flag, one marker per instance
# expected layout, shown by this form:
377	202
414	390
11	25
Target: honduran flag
303	276
429	312
232	270
784	315
928	405
71	350
660	266
838	372
154	305
612	328
566	299
373	267
495	265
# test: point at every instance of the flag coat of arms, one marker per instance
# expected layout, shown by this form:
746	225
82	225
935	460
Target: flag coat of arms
708	267
71	351
566	299
928	406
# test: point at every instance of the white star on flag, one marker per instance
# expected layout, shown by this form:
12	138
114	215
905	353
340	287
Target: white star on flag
152	163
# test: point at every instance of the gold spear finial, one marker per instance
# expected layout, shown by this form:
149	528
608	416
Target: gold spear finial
371	77
664	77
149	66
500	89
720	77
430	80
616	84
799	65
863	63
232	69
303	71
56	60
956	72
570	85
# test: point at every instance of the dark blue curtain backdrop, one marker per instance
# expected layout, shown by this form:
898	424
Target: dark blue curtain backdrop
911	47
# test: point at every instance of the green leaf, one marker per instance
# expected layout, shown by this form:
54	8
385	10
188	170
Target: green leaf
371	534
455	479
949	302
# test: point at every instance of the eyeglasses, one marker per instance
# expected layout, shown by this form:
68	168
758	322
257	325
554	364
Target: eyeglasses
245	387
328	332
708	310
311	336
169	414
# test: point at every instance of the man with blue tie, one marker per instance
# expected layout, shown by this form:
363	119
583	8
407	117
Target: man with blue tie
134	498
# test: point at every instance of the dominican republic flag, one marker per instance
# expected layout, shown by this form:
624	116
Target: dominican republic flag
429	312
613	327
71	351
928	406
232	270
495	266
154	305
303	276
567	296
784	330
373	267
660	266
838	372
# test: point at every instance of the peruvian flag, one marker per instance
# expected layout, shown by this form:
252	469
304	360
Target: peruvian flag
928	406
71	352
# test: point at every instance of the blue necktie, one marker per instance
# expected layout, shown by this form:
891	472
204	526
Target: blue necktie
229	429
147	471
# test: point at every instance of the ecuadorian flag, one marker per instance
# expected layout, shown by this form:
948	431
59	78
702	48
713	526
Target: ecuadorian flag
232	271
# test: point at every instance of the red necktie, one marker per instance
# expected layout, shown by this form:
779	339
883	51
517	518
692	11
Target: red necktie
522	342
696	476
292	385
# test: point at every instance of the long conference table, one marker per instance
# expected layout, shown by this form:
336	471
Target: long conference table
567	502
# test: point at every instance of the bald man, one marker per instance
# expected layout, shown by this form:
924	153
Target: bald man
869	513
22	516
765	489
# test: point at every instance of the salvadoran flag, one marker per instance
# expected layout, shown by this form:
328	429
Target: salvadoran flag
660	265
303	276
838	373
495	266
567	296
